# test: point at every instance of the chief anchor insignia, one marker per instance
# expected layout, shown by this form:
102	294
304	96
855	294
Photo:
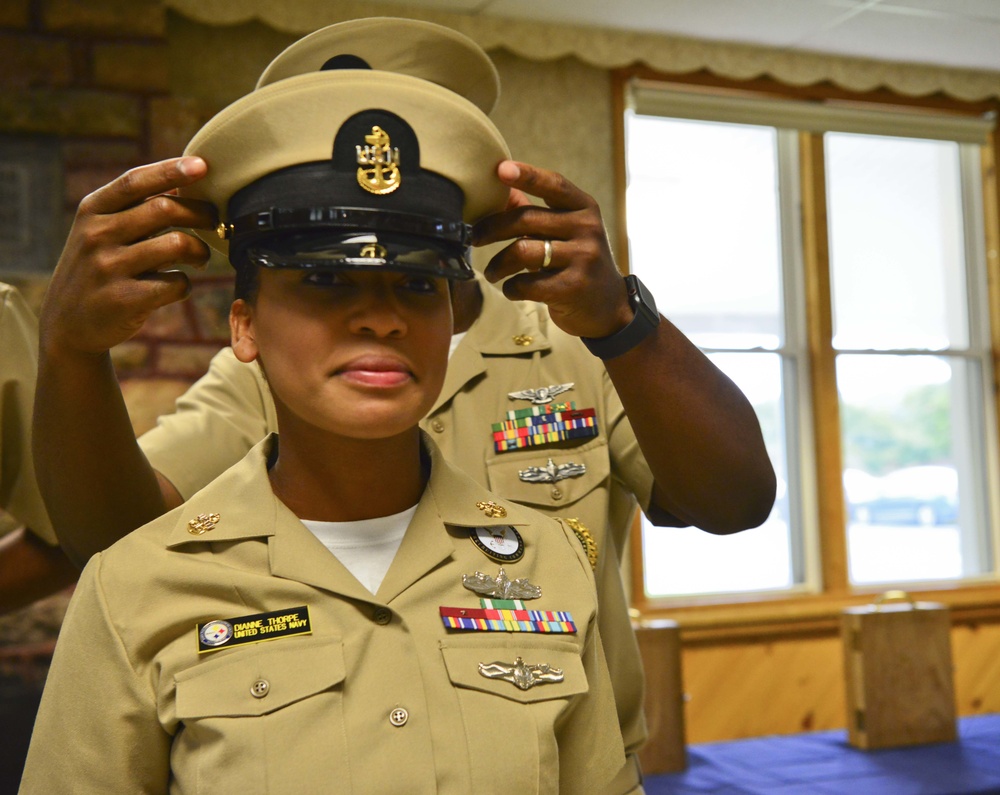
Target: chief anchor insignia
501	587
202	523
542	395
551	472
492	509
379	163
524	675
373	251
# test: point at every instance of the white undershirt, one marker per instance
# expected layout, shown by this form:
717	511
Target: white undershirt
366	548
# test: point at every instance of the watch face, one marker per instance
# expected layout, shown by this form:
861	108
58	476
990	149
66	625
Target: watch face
502	544
641	299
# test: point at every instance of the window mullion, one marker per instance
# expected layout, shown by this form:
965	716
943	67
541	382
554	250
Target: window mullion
823	371
990	263
800	442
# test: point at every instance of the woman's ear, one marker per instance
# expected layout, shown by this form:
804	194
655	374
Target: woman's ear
241	331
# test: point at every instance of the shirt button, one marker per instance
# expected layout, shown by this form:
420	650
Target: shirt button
437	426
259	688
557	493
398	717
382	615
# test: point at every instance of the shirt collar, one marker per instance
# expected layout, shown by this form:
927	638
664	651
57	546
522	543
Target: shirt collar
453	495
204	518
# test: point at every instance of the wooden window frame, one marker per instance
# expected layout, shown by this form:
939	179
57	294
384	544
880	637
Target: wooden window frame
768	614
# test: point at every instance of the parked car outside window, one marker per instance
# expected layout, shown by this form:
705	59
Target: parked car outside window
917	495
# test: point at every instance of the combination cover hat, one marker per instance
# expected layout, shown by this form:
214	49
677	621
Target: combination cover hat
405	46
350	168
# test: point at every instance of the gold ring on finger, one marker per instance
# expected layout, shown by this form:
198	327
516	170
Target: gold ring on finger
547	258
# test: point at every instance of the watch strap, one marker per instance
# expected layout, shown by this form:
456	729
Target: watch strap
642	324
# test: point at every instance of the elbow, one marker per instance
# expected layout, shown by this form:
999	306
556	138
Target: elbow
724	509
750	507
753	516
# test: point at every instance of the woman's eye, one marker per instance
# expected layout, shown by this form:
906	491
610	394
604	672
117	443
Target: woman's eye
420	284
323	278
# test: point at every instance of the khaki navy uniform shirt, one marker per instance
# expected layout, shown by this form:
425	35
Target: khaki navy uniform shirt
379	697
19	495
511	347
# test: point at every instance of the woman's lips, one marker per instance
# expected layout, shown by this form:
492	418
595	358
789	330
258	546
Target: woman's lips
375	371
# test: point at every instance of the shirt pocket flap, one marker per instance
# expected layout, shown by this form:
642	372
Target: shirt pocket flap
463	663
259	679
507	475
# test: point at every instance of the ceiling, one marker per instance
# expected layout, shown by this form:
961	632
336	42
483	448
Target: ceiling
960	33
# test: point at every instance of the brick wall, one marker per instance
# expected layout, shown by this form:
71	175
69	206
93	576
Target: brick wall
94	77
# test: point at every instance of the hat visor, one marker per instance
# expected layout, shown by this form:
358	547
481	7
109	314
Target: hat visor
366	251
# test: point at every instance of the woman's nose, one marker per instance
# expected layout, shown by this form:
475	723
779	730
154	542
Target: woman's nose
378	313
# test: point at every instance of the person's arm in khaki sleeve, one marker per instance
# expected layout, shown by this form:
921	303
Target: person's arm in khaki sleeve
31	564
97	729
114	271
215	423
696	429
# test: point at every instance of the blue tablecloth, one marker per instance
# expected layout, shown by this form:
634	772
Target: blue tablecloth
822	763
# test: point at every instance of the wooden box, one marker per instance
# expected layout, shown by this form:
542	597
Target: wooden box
660	648
898	670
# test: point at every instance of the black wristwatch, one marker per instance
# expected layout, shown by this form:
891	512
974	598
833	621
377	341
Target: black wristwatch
646	319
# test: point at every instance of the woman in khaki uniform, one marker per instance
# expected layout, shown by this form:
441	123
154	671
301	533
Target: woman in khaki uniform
230	409
379	697
450	642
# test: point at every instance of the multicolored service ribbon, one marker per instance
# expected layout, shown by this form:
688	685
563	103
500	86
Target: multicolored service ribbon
507	620
540	425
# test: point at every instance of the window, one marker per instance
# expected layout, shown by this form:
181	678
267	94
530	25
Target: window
705	235
830	257
910	357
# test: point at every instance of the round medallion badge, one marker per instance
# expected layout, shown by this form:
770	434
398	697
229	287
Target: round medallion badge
502	544
215	633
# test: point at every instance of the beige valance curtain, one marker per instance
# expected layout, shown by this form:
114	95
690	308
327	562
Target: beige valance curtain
610	48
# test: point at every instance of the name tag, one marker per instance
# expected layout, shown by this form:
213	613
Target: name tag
221	633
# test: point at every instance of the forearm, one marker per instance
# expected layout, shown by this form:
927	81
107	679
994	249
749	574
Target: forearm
96	482
118	266
698	433
31	570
